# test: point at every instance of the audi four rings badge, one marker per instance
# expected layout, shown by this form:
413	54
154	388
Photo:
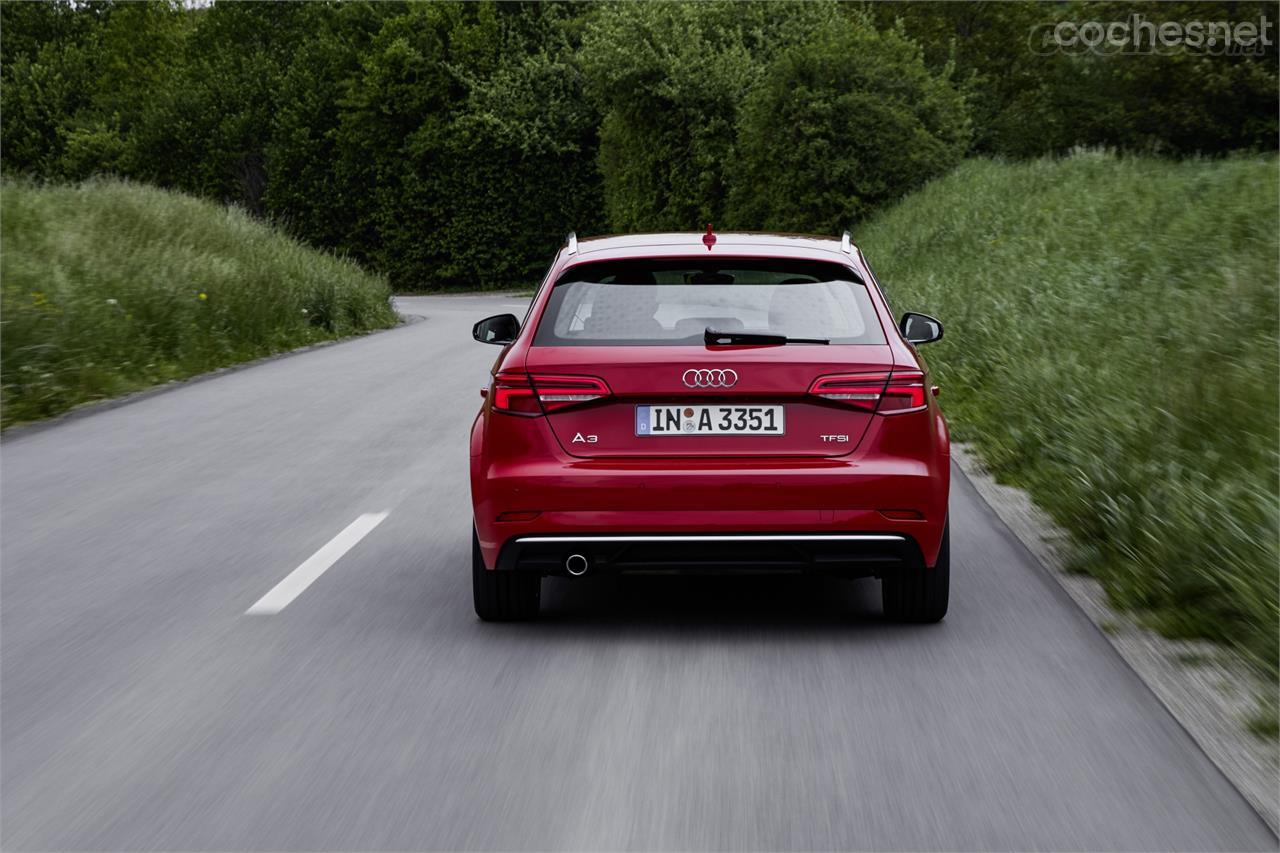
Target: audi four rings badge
710	378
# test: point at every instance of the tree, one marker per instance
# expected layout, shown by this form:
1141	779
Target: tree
207	127
1029	102
76	78
308	190
669	78
844	122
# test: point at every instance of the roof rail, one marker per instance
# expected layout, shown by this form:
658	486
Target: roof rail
571	243
846	244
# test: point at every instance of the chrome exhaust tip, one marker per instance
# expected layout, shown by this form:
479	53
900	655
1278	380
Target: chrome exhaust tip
576	565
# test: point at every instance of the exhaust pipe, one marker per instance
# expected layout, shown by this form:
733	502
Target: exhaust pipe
576	565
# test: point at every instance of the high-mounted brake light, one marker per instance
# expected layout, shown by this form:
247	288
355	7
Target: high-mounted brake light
883	393
522	394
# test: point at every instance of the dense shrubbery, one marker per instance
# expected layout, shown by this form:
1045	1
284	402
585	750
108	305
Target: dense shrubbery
1027	102
669	79
1111	346
452	145
108	287
841	123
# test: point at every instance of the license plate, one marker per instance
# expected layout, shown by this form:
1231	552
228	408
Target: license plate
710	420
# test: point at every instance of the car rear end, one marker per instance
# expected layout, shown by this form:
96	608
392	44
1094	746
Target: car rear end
751	408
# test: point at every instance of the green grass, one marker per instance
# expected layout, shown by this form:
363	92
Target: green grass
109	287
1111	346
1266	722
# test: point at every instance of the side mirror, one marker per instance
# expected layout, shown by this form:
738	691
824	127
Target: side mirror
498	329
920	328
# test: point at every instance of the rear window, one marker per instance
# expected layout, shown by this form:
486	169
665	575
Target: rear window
666	303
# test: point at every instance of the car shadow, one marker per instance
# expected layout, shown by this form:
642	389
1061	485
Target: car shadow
710	601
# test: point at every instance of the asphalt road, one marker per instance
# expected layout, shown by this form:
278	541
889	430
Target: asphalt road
141	708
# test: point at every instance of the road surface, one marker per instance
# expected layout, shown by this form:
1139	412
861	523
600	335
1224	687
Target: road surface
142	708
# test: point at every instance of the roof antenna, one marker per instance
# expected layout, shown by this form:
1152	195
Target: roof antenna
572	243
846	244
708	239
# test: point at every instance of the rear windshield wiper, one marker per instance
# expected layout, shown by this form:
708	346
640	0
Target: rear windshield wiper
721	339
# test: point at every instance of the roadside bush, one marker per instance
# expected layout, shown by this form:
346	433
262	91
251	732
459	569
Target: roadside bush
465	148
669	79
1111	346
515	171
313	187
842	123
206	127
108	287
76	80
1030	102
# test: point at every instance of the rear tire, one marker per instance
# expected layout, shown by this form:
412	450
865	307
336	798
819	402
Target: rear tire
920	594
502	596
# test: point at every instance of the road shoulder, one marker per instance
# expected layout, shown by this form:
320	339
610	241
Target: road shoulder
1206	688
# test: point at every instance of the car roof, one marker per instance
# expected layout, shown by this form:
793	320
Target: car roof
805	246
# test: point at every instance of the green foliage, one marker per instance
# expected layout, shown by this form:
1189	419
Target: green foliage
452	145
108	287
476	161
1028	102
409	85
987	44
1111	346
670	78
842	123
1172	101
526	130
76	81
46	78
462	147
312	189
205	129
1265	723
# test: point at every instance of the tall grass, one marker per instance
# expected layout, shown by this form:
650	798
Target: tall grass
1111	345
108	287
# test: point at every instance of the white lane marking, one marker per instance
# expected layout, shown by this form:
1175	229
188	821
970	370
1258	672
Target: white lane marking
317	564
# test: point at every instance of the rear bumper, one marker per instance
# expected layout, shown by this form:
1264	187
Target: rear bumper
725	535
525	488
841	554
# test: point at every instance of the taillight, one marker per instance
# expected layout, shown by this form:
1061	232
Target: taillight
855	390
561	392
513	393
522	394
905	393
883	393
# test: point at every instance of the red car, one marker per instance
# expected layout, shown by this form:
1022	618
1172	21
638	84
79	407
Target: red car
700	402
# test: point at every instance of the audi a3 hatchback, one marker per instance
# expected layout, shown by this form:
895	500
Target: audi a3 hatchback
709	403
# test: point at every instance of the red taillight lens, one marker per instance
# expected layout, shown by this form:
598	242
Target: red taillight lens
561	392
856	390
905	393
512	393
883	393
521	394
